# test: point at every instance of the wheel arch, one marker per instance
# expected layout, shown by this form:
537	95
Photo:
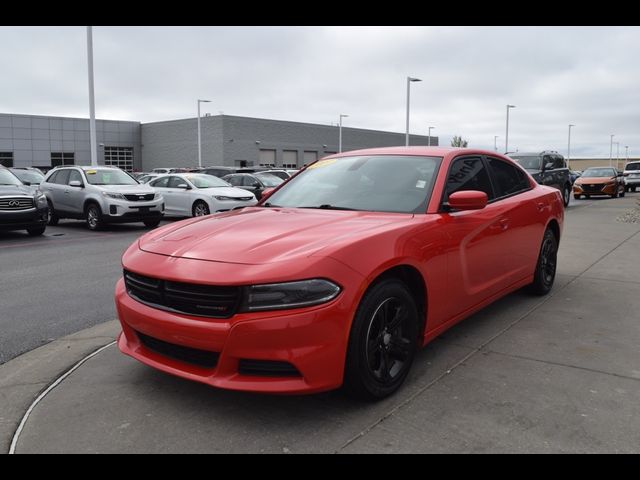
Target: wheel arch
554	226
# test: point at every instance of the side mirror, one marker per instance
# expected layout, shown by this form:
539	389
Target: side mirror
184	186
468	200
548	166
75	183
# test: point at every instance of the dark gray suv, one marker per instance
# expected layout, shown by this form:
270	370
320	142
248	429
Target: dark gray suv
548	168
20	207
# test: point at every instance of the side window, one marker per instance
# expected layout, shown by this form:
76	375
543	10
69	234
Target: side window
235	180
175	181
468	174
507	179
559	162
75	175
249	180
161	182
52	178
62	177
548	159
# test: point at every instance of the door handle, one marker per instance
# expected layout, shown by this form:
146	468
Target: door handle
500	225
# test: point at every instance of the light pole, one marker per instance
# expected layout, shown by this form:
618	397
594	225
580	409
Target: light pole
92	105
495	142
617	153
429	136
569	145
199	135
626	155
611	150
506	137
409	80
342	115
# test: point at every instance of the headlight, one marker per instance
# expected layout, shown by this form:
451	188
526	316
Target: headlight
222	198
117	196
278	296
157	196
41	200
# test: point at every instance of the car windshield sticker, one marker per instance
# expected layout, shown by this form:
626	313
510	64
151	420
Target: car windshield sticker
91	172
421	184
323	163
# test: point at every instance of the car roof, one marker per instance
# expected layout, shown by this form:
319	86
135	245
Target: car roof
415	150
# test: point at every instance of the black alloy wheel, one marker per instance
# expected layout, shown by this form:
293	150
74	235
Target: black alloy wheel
545	273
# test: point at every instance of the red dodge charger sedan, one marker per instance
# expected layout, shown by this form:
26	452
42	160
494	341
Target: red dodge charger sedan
341	273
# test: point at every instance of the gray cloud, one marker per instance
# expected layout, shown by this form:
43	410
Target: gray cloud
555	76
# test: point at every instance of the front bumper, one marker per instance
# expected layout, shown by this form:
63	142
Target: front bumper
21	220
124	211
313	340
632	181
594	189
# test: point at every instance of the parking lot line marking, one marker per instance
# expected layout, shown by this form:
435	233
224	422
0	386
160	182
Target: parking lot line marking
58	381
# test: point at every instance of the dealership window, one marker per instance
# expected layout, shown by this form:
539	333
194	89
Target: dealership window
121	157
6	159
62	158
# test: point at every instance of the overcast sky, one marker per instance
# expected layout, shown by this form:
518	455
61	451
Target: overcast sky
554	75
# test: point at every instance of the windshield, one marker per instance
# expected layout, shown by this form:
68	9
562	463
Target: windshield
632	166
380	183
7	178
599	172
31	176
529	162
269	180
206	181
109	177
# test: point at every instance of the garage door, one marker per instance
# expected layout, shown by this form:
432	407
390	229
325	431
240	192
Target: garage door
268	158
310	157
290	159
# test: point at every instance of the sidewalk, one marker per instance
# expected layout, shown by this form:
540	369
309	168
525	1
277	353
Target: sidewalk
527	374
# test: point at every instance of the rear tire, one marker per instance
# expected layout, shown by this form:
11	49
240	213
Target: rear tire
545	273
36	232
382	342
52	217
93	217
566	195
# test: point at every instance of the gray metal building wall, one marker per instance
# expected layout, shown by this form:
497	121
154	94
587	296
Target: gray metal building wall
228	140
32	138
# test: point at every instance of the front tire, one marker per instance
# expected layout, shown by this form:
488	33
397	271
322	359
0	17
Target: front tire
200	209
151	223
546	267
93	217
37	231
566	195
383	341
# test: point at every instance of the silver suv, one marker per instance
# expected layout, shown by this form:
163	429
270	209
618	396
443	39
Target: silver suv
632	176
100	195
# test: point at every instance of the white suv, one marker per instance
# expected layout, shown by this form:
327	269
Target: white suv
100	195
631	176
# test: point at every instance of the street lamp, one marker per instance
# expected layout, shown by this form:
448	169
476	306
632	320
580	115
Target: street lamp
409	80
506	137
429	136
617	153
495	142
569	145
199	135
626	155
342	115
92	103
611	150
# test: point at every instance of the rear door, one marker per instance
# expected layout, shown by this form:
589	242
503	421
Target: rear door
180	197
73	198
161	186
58	186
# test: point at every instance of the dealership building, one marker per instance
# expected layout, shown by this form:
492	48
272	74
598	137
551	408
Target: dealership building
45	142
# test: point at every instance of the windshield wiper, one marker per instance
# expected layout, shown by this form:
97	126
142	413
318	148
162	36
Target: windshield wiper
270	205
326	206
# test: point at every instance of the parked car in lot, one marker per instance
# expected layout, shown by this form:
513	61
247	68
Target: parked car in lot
196	195
283	174
148	177
547	168
341	274
632	176
575	174
255	183
31	177
223	170
21	208
100	195
599	181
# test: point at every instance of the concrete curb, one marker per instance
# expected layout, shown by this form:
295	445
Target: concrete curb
25	377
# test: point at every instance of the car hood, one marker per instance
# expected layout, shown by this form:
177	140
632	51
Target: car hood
16	190
595	180
127	189
258	235
225	192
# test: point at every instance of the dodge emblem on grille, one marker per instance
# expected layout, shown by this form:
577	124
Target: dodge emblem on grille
14	203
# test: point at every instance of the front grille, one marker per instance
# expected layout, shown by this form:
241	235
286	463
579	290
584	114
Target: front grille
200	300
267	368
592	188
140	197
17	203
202	358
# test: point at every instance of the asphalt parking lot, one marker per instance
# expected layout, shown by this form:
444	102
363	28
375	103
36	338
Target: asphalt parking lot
528	374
